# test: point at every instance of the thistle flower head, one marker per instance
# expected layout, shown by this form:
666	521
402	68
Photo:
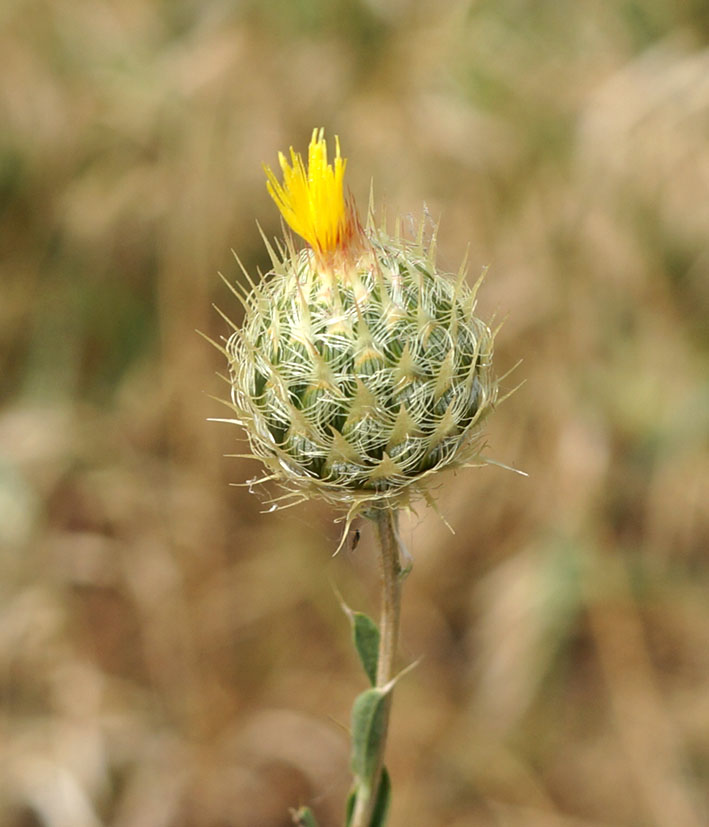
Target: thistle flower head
360	370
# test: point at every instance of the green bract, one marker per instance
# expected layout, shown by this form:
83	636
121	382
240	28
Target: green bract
357	380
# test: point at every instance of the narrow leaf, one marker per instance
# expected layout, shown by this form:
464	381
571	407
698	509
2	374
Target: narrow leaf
349	807
368	719
366	640
365	636
381	807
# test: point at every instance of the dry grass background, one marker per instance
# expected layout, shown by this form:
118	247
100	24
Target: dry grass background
169	657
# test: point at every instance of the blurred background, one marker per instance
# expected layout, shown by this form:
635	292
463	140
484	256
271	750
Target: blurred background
172	657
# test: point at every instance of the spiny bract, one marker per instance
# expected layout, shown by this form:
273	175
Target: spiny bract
360	370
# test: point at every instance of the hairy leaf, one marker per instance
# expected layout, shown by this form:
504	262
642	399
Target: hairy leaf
368	721
366	640
381	806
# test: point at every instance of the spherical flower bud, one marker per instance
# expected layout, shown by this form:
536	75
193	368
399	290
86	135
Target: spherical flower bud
360	370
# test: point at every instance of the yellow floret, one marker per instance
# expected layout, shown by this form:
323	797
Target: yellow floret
312	201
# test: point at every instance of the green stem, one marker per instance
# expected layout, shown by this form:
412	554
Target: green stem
387	521
390	569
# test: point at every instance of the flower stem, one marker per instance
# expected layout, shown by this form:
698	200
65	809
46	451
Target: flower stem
390	569
386	520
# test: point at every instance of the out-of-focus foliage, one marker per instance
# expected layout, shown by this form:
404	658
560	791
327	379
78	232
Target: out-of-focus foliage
169	657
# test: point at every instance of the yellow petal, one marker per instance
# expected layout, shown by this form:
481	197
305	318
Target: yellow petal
312	200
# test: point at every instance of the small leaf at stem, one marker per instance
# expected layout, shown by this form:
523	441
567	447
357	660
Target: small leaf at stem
368	724
366	640
365	635
303	817
381	805
349	807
